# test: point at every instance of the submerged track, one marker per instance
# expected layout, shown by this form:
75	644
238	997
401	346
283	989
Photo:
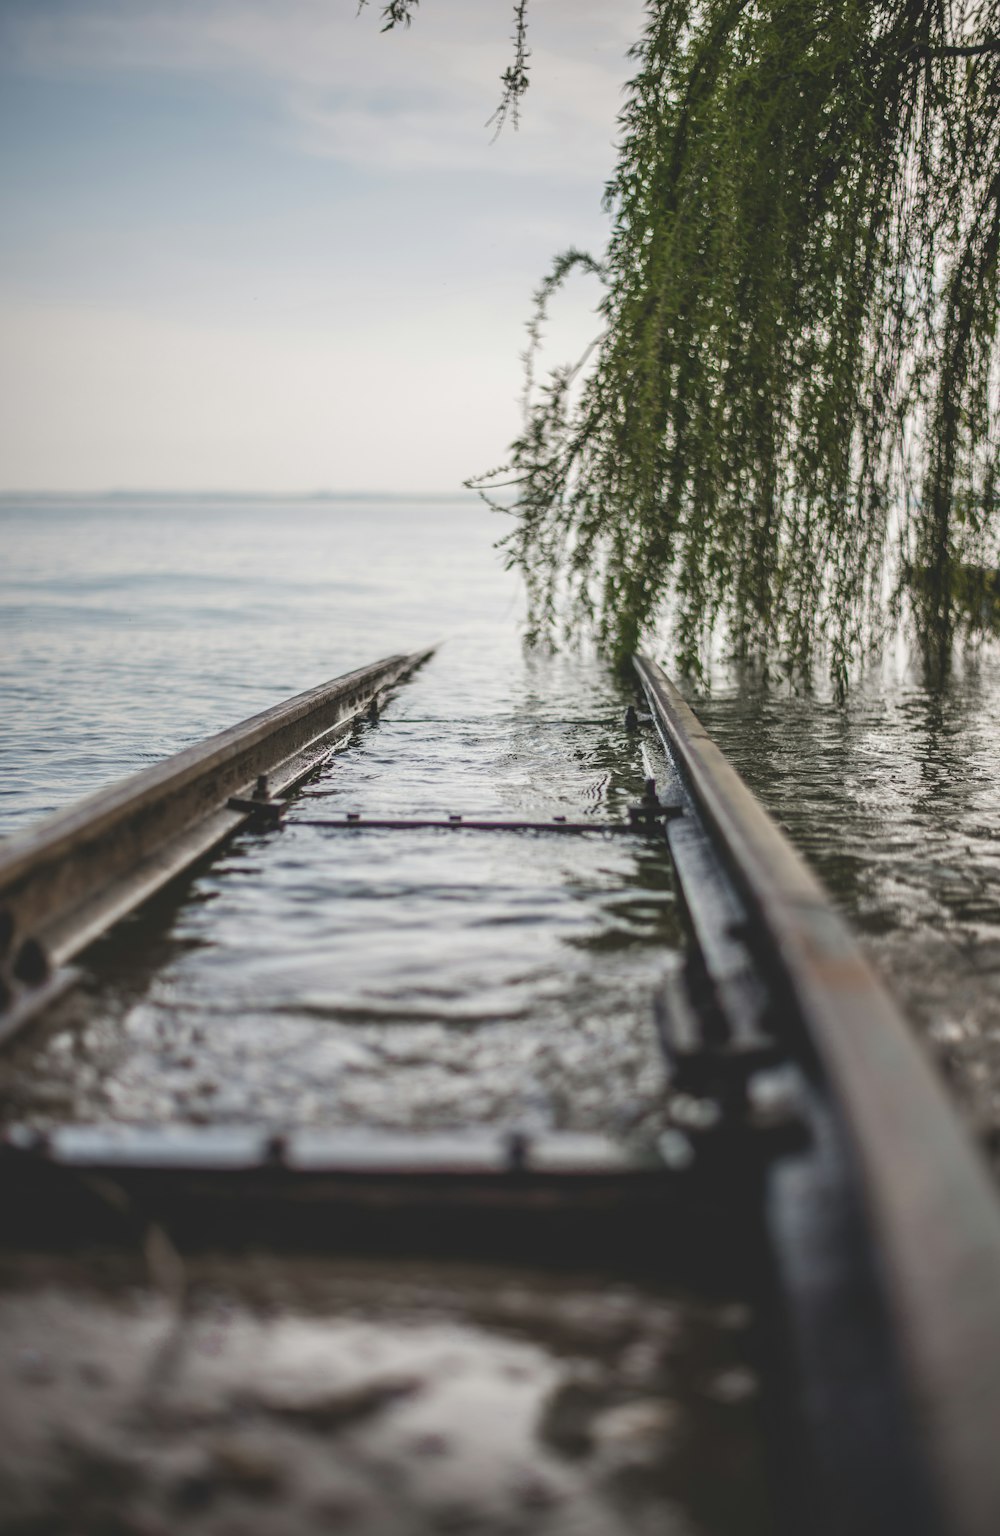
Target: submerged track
808	1141
64	882
884	1228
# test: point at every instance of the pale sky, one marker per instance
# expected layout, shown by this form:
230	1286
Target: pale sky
256	244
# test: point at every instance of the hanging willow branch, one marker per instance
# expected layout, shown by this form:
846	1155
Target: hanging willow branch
515	77
788	431
395	13
514	81
792	416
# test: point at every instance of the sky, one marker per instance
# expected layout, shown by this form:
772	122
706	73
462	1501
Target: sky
260	245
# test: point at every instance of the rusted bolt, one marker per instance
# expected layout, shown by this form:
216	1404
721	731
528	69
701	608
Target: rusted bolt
31	964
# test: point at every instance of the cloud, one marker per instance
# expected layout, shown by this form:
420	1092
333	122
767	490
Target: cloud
187	309
415	97
98	396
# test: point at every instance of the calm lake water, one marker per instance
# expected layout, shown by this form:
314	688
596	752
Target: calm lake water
310	977
402	979
895	800
130	629
511	974
412	979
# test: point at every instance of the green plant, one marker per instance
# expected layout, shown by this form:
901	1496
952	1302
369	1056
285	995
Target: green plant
786	434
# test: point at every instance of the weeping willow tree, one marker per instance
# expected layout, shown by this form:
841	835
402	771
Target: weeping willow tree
787	431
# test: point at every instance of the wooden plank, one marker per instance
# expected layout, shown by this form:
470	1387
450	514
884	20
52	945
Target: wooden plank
931	1203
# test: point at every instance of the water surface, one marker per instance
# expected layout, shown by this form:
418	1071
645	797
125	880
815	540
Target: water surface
393	978
894	797
293	978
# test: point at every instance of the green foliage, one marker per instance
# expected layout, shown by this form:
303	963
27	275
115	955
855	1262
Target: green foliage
789	428
514	79
787	434
395	13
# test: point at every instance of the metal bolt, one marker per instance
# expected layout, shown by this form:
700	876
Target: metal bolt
649	810
631	718
262	791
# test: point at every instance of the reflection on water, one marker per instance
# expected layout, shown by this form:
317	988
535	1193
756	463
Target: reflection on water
128	630
387	978
421	978
418	979
308	972
373	1399
393	977
895	799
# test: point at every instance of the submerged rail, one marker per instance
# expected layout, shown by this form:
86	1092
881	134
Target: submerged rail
64	881
879	1121
808	1141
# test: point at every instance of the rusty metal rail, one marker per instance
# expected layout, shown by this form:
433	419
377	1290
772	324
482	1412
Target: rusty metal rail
808	1140
461	822
553	1197
885	1230
64	881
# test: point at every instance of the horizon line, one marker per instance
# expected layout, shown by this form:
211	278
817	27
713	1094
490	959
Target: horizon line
194	493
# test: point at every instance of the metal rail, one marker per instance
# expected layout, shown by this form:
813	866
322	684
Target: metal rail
810	1142
914	1259
68	878
459	822
554	1197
